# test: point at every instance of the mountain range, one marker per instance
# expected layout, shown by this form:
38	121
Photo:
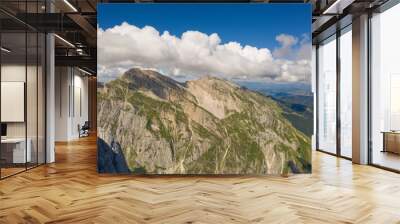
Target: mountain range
296	100
204	126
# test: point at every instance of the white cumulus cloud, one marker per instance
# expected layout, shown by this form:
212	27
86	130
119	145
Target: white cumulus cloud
195	54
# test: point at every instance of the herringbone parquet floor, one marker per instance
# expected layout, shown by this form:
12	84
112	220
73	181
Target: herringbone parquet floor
70	191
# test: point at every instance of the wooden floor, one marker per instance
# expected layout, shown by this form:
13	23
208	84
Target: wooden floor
70	191
386	159
5	172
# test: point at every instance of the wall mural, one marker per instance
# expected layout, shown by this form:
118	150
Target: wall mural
204	88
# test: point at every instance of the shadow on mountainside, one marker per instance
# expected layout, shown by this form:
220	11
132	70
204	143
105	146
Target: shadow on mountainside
110	159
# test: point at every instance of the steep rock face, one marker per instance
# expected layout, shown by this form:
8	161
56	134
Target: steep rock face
205	126
215	95
110	158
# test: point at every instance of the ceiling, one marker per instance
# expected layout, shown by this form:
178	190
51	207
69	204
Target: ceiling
75	22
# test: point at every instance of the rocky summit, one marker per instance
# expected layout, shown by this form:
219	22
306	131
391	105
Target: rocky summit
204	126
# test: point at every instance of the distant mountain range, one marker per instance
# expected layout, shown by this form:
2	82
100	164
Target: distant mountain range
204	126
296	100
272	88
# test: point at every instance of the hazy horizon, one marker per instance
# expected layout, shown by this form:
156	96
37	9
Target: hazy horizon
274	86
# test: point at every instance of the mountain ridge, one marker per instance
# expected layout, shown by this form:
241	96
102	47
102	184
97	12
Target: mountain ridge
208	126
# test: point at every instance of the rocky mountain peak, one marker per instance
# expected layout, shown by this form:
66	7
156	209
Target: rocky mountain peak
145	79
209	125
208	81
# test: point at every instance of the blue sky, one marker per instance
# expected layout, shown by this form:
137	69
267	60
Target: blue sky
247	42
252	24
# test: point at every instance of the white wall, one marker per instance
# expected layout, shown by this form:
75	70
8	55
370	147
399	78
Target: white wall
70	83
80	89
13	72
16	73
33	126
62	81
